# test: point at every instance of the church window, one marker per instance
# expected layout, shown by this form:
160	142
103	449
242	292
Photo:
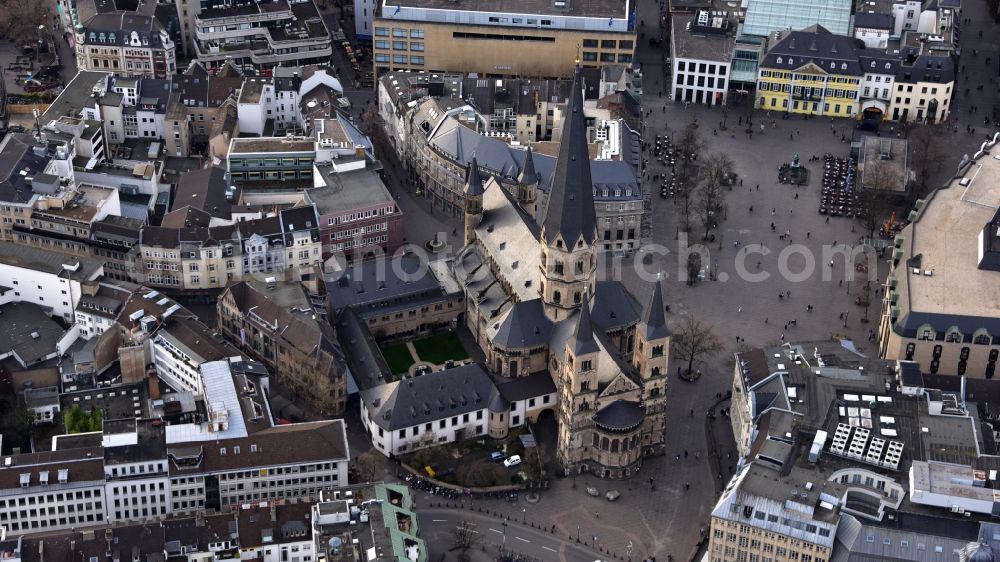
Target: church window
588	365
604	443
579	266
614	446
657	350
557	297
559	267
576	297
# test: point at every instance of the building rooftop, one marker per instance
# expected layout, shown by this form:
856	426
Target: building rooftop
119	402
267	145
204	189
939	281
581	8
375	284
284	444
430	397
27	332
712	40
767	16
349	191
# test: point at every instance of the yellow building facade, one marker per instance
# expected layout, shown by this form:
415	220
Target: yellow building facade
810	72
808	90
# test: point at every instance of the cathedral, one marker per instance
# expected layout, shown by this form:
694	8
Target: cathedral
534	304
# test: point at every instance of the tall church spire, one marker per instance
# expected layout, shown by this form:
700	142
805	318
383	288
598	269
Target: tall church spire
653	316
570	211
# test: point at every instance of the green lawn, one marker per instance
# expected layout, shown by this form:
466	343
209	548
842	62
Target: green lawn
397	357
440	348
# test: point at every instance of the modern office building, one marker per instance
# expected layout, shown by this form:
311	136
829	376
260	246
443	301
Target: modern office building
539	38
701	49
255	37
941	305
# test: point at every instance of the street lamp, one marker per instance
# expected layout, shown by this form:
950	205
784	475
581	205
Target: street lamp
846	314
577	533
503	544
524	515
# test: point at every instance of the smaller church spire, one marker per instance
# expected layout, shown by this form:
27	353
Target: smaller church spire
474	180
528	175
653	316
583	333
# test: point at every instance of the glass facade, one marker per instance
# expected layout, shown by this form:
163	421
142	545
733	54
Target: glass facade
767	16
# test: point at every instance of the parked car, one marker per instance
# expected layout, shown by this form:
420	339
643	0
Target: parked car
512	461
593	491
612	495
496	456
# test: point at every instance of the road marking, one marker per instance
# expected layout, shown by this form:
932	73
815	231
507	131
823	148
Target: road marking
520	539
439	520
498	532
550	549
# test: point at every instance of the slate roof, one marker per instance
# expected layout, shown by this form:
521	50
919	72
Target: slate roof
927	68
570	211
528	175
620	415
526	325
430	397
121	25
653	316
872	20
459	143
834	54
474	180
204	189
531	386
613	307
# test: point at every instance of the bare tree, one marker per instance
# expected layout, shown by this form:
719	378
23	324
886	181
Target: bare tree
693	267
693	340
370	464
21	20
534	462
688	146
876	195
463	537
926	155
716	170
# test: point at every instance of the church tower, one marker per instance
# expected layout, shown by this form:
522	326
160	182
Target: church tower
474	190
569	225
578	389
527	184
651	362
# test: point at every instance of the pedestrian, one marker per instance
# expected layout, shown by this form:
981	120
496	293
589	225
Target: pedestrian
692	412
827	220
786	325
782	337
685	454
788	294
765	319
740	309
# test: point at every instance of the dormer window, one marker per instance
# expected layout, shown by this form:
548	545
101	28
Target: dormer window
843	66
779	60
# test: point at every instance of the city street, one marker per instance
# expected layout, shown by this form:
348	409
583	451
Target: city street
437	529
